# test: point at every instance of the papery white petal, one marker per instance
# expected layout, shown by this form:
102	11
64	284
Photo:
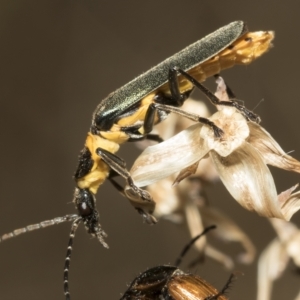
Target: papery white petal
190	105
174	123
186	172
291	205
221	92
271	264
205	170
166	198
235	130
249	180
173	155
228	230
270	149
195	225
285	195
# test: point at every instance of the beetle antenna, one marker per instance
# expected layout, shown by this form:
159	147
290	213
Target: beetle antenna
227	284
68	257
191	243
36	226
224	289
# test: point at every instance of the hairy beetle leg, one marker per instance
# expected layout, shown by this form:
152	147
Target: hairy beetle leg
191	116
139	198
172	103
249	115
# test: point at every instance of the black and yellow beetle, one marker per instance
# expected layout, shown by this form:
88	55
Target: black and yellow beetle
168	282
129	113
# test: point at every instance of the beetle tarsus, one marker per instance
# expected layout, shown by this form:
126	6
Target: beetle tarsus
149	219
218	132
248	114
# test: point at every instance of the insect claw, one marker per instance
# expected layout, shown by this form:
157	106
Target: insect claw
255	118
149	219
218	131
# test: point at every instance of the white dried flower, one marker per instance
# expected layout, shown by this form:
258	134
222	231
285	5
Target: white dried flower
185	203
240	156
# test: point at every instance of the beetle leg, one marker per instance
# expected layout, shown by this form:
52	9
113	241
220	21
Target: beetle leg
191	116
149	119
177	99
249	115
134	137
139	198
117	186
169	104
154	137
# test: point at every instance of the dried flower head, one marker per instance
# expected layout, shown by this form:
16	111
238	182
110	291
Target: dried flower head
187	204
240	157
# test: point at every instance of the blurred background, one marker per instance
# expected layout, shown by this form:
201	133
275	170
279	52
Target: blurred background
58	60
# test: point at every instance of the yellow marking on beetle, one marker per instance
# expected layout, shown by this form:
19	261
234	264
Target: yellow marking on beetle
95	178
242	52
139	114
94	141
137	117
100	169
115	135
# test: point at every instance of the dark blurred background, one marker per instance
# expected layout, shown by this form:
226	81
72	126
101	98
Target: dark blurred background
58	60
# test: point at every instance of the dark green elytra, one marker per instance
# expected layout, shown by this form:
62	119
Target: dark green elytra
131	93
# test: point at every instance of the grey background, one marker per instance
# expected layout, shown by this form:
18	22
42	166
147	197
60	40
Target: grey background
58	60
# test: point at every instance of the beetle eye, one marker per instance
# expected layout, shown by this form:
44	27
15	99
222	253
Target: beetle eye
84	210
